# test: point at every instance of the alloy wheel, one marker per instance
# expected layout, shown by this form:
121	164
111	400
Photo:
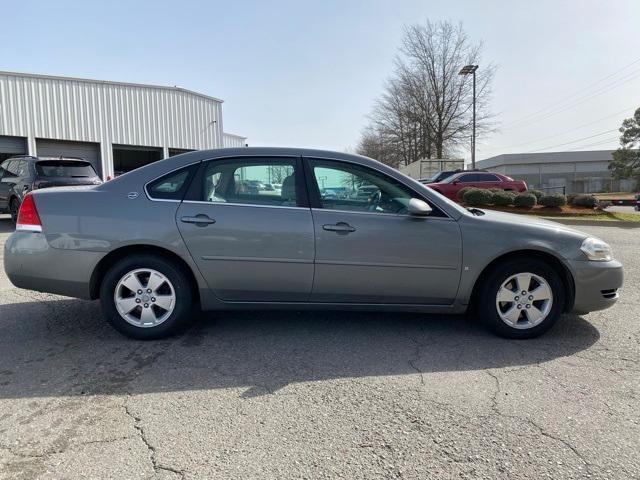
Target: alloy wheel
524	300
144	297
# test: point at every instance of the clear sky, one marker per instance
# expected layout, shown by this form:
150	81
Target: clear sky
305	73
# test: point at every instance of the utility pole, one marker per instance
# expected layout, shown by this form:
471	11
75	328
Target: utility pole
466	70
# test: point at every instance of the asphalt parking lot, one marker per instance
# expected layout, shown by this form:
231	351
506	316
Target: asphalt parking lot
319	395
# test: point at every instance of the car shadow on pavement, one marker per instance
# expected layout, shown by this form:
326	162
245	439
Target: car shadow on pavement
64	347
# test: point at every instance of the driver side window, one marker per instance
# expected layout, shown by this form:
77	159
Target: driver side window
346	186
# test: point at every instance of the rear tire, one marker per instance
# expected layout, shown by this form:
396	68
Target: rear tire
508	312
14	207
147	297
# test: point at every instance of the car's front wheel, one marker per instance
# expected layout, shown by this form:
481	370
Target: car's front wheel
521	298
147	297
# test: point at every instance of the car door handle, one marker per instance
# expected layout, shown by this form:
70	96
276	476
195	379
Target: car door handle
200	220
340	227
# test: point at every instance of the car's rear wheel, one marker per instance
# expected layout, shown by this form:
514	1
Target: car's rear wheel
147	297
14	207
521	298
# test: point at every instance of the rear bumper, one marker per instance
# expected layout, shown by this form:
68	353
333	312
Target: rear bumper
596	284
31	263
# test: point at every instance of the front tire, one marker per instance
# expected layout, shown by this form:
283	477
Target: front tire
147	297
521	299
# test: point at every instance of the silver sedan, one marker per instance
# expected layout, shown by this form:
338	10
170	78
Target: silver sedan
204	230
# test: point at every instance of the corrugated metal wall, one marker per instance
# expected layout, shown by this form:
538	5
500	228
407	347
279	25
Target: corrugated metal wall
229	140
34	106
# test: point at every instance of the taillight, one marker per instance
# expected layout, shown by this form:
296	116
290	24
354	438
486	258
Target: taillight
28	218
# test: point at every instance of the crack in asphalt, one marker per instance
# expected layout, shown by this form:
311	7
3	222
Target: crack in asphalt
151	450
540	429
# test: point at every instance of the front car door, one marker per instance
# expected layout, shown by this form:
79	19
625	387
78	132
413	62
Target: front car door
487	180
369	249
252	242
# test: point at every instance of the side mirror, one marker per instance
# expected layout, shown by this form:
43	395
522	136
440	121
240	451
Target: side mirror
456	182
418	207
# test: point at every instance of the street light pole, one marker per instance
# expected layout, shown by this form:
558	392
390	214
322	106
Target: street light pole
466	70
473	135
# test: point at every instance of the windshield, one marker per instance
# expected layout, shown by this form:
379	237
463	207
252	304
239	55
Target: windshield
450	178
61	168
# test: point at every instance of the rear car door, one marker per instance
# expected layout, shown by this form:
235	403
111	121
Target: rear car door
251	243
369	249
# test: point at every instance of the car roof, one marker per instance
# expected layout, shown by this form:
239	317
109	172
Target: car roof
480	172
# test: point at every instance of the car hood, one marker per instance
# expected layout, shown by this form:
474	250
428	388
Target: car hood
526	220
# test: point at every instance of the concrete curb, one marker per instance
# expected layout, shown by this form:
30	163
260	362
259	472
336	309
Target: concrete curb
594	223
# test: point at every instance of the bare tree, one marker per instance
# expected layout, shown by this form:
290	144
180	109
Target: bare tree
425	110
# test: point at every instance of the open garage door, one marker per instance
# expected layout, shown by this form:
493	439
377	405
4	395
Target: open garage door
85	150
178	151
12	146
130	157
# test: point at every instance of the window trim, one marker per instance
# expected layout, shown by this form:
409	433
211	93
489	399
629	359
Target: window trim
189	180
316	201
194	194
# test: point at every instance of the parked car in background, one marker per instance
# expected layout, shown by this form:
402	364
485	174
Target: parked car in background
252	187
440	176
366	192
21	175
182	233
637	206
453	184
334	192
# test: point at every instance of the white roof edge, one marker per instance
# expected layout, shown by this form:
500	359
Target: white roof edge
540	157
234	135
125	84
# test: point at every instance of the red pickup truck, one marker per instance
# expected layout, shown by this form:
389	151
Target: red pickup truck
453	184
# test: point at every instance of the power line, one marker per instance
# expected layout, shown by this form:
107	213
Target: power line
621	81
574	141
601	142
568	131
562	100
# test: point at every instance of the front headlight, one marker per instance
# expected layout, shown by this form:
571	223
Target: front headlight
596	250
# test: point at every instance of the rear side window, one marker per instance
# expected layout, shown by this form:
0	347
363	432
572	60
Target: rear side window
22	168
468	178
487	177
171	186
252	181
60	168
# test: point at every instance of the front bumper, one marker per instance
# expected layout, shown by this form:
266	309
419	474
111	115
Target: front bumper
596	284
31	263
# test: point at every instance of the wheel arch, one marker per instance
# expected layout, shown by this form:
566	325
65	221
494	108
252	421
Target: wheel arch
13	196
114	256
528	254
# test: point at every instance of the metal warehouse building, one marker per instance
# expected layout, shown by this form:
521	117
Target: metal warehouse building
576	172
117	126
